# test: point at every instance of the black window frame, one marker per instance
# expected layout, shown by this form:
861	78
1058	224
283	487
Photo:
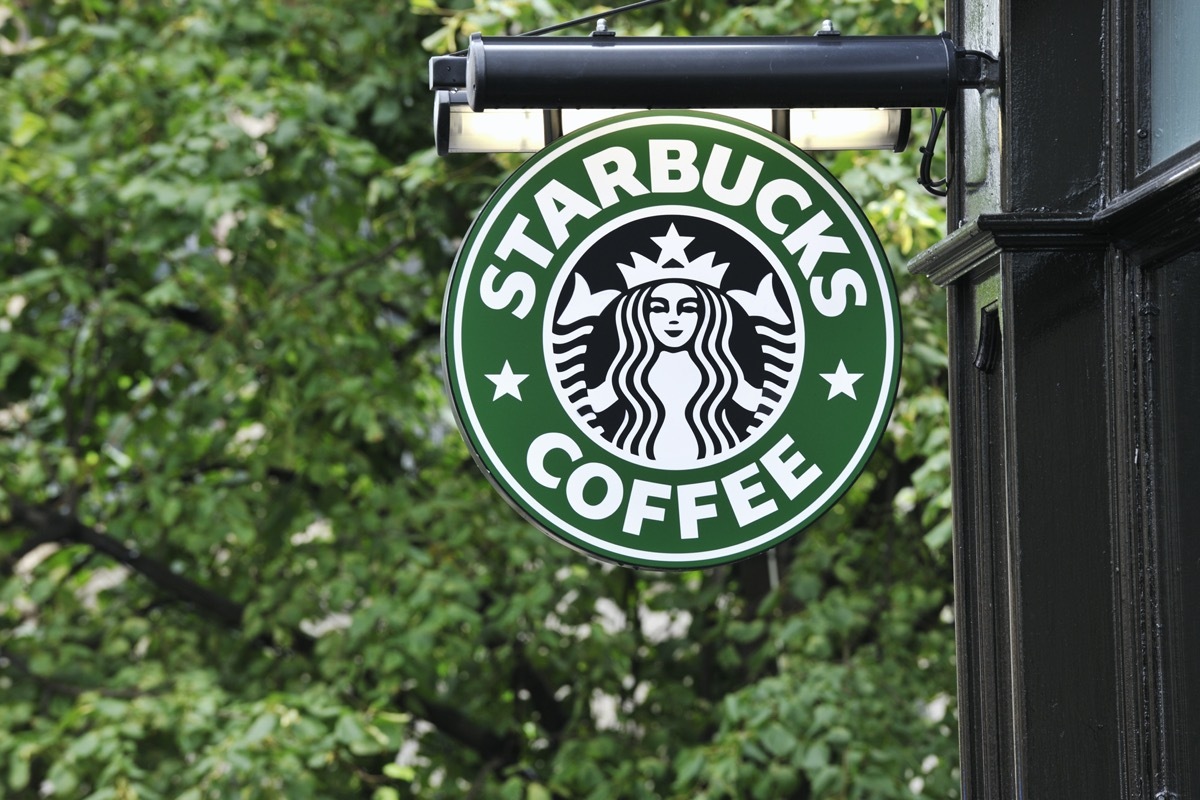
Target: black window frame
1132	75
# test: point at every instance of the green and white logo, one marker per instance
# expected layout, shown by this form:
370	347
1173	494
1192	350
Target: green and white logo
671	340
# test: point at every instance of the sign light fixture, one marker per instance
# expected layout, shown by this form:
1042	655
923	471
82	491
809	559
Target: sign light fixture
458	129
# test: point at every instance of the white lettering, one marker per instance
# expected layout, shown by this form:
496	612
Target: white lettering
606	183
714	177
535	459
834	303
764	204
746	492
673	165
608	503
639	509
690	511
742	493
559	205
784	472
515	239
516	283
810	237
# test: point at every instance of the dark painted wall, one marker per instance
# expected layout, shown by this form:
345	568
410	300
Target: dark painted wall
1077	449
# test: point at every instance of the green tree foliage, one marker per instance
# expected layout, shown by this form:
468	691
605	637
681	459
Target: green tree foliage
245	553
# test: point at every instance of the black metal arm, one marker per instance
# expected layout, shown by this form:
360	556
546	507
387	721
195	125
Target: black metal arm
711	72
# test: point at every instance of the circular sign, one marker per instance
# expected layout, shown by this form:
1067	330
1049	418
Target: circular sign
671	340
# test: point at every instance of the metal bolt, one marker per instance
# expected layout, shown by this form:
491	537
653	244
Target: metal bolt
601	25
827	29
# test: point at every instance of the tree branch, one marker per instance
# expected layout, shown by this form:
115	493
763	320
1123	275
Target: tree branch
458	726
31	543
45	522
429	329
553	717
56	685
195	318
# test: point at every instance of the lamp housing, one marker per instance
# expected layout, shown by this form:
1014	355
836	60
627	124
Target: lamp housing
458	129
824	92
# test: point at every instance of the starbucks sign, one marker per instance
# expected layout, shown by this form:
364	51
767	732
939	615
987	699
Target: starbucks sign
671	340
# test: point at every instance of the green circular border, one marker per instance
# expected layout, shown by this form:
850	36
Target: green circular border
647	559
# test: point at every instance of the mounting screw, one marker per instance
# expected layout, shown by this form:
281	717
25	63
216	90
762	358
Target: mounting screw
1142	133
827	29
602	28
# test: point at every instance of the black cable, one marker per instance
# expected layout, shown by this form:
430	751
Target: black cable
939	188
592	17
583	20
986	56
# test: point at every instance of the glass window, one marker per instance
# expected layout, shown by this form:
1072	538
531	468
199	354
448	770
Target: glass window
1174	76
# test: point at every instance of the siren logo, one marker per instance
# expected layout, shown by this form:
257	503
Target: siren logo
663	357
671	340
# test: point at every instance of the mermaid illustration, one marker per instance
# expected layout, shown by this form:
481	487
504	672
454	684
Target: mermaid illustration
677	389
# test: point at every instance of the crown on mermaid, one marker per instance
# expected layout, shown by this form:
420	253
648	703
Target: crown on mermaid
673	264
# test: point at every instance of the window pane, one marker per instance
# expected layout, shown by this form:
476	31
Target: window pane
1174	76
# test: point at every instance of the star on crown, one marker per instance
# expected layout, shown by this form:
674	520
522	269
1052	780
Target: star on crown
673	264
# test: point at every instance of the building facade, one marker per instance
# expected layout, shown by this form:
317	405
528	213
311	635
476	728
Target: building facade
1072	269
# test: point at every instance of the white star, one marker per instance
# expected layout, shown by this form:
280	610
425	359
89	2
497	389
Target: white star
672	246
507	382
841	381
